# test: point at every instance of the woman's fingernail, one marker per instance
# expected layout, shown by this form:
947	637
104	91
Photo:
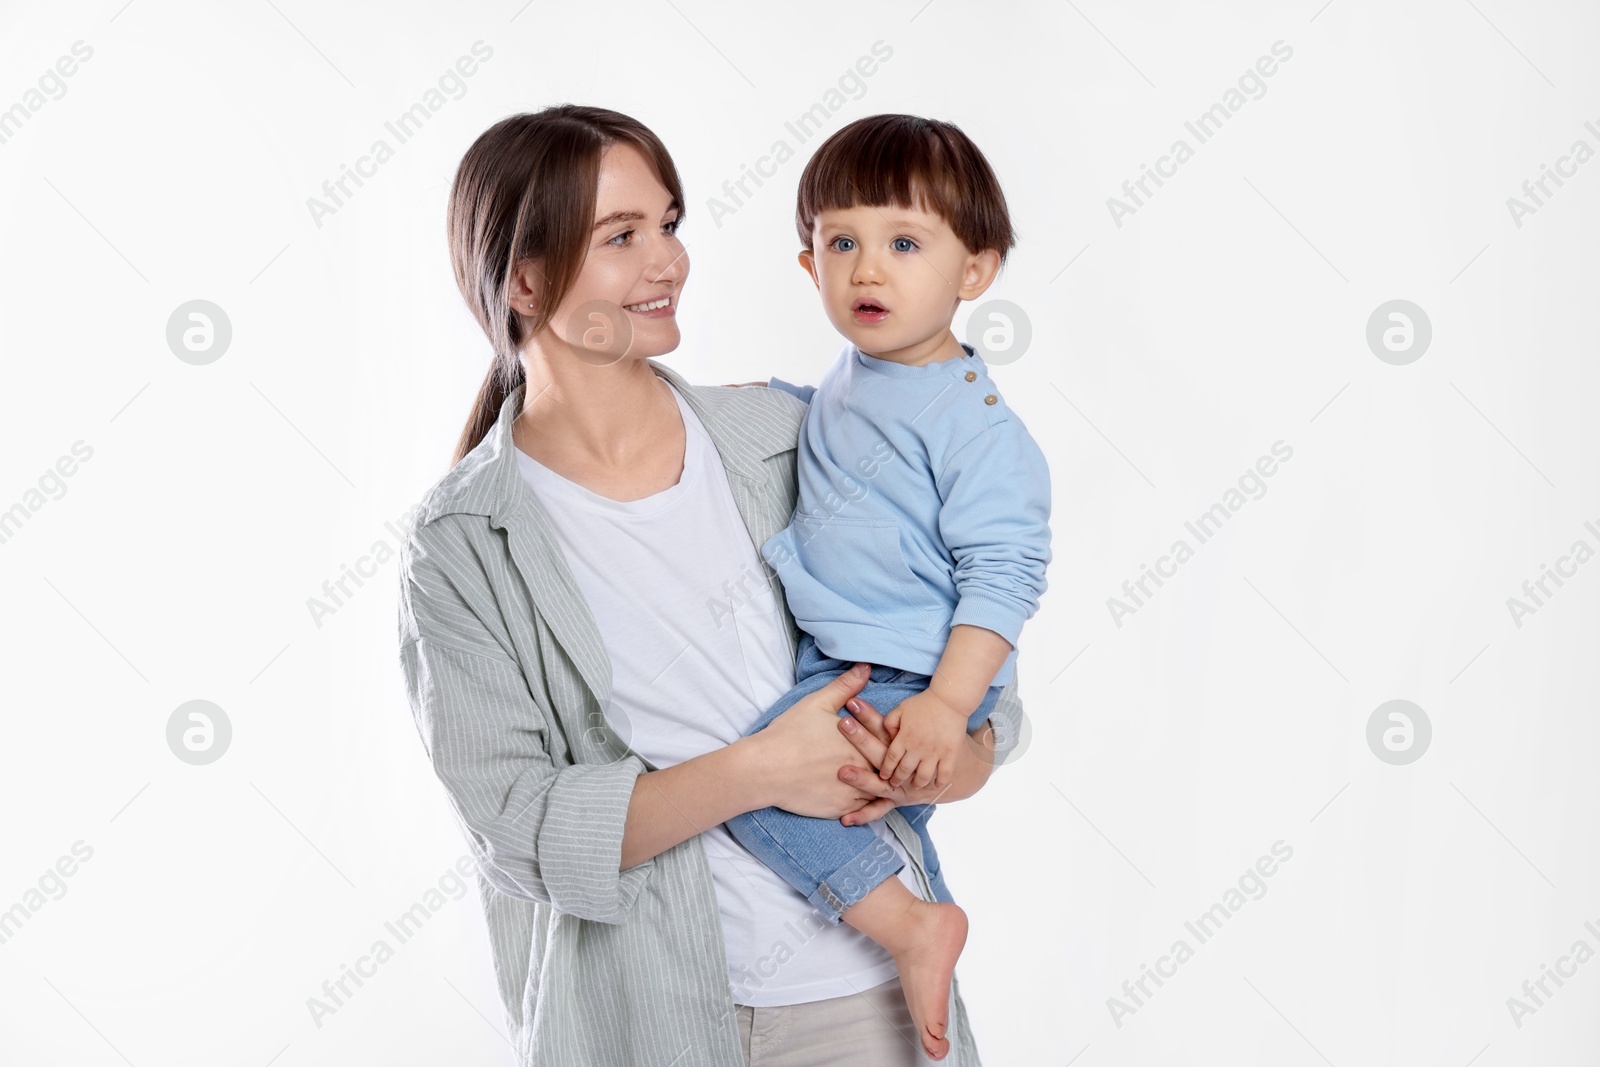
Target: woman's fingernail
848	724
850	775
853	704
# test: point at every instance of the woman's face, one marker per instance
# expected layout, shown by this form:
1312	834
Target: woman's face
624	303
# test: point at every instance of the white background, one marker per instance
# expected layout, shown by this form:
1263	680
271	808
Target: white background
1166	754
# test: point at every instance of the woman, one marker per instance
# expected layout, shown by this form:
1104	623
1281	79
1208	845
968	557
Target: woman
586	629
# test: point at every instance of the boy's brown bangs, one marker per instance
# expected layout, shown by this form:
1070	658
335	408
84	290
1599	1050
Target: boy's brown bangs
912	162
876	175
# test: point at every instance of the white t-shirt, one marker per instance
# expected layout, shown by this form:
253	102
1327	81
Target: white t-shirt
697	652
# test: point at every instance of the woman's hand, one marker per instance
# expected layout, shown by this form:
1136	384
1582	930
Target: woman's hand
799	753
868	732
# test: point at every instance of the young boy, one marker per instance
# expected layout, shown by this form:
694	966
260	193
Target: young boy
921	535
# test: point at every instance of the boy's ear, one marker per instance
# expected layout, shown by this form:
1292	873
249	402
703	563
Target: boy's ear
808	260
979	273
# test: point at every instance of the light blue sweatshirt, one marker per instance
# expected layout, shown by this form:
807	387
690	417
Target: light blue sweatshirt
924	503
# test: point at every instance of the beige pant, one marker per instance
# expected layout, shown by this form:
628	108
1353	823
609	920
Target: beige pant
871	1027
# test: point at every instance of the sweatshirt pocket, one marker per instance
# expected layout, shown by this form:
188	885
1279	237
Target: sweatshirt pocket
859	564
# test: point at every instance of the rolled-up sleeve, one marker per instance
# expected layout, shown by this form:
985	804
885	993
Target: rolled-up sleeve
995	519
541	832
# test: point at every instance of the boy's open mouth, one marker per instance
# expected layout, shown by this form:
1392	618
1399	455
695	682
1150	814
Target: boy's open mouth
869	311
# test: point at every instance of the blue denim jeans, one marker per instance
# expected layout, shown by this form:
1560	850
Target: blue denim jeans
831	864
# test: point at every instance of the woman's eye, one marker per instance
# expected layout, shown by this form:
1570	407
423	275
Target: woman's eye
622	238
904	244
843	244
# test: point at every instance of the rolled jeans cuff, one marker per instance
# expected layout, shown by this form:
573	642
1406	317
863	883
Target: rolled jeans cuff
854	879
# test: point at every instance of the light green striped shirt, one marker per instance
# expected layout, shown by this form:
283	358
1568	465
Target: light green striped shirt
508	681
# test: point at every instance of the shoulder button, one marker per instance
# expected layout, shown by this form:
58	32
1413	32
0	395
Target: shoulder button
990	399
972	375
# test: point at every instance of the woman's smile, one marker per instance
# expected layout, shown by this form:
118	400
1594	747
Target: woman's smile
661	307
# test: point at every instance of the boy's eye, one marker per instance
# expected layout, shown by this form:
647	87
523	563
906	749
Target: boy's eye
903	244
842	244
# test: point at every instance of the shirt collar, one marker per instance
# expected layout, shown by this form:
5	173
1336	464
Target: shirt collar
953	367
747	424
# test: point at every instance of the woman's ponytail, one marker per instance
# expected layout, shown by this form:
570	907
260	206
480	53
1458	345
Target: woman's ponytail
503	378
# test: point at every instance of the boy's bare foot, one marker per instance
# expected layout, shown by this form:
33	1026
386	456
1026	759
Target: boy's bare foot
926	964
925	940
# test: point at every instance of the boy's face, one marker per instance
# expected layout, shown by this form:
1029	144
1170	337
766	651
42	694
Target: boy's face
891	277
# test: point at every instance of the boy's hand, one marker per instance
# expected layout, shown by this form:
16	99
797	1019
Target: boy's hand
927	733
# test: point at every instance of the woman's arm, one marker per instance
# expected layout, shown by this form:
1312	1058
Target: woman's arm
581	837
672	805
793	762
789	764
539	831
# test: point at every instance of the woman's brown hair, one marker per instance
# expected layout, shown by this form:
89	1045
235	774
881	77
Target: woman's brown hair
525	191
